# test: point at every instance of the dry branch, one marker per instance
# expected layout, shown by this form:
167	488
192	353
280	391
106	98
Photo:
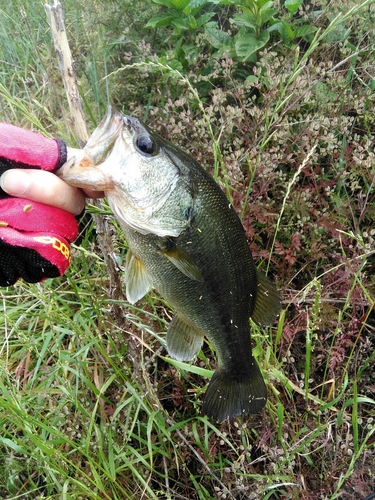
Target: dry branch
65	62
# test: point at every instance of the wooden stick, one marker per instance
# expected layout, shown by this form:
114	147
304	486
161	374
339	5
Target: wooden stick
65	62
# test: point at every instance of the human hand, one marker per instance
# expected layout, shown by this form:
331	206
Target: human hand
20	152
35	229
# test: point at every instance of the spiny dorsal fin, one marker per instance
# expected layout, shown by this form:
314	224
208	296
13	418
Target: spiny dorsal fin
183	340
267	303
183	262
137	280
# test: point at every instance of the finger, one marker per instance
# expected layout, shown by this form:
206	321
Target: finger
43	187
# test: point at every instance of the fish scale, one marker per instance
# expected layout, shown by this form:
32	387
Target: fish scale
191	247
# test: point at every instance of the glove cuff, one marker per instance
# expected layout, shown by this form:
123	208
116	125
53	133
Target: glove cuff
62	153
34	240
33	257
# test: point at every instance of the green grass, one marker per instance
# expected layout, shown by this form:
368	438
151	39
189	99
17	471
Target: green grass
91	406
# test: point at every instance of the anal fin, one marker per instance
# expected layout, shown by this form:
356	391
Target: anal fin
183	340
137	280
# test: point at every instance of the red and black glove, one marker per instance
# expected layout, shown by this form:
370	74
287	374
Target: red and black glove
34	238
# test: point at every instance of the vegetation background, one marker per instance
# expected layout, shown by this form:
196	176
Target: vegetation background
276	100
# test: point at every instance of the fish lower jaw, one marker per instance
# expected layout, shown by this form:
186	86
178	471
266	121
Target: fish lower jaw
84	177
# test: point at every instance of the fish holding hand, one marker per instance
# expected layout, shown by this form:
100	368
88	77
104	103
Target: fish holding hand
186	241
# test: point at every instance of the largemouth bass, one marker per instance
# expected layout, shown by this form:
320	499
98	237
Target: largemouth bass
186	241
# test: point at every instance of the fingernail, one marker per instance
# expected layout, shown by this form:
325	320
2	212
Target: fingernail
14	183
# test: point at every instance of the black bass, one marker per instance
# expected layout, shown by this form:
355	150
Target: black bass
187	242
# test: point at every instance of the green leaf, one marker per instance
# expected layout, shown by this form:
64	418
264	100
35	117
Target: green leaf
204	19
286	32
174	64
11	444
246	19
263	3
305	30
174	4
188	368
197	3
165	3
247	44
193	25
225	2
292	5
191	51
180	4
252	79
217	38
160	20
265	13
195	6
180	23
255	22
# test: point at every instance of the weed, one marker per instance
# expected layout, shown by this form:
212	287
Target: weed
289	135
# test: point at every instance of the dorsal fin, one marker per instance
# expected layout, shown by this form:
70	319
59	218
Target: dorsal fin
267	303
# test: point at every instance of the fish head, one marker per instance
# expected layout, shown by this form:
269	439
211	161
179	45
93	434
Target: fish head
146	188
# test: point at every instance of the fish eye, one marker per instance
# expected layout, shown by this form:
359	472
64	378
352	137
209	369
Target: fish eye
146	145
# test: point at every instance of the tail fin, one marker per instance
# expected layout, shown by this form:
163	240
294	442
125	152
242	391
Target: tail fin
227	396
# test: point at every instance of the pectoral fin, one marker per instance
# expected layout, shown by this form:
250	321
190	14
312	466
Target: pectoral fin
183	262
183	340
267	303
137	279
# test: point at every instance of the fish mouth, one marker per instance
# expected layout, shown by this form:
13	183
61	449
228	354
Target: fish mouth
83	168
80	171
104	136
